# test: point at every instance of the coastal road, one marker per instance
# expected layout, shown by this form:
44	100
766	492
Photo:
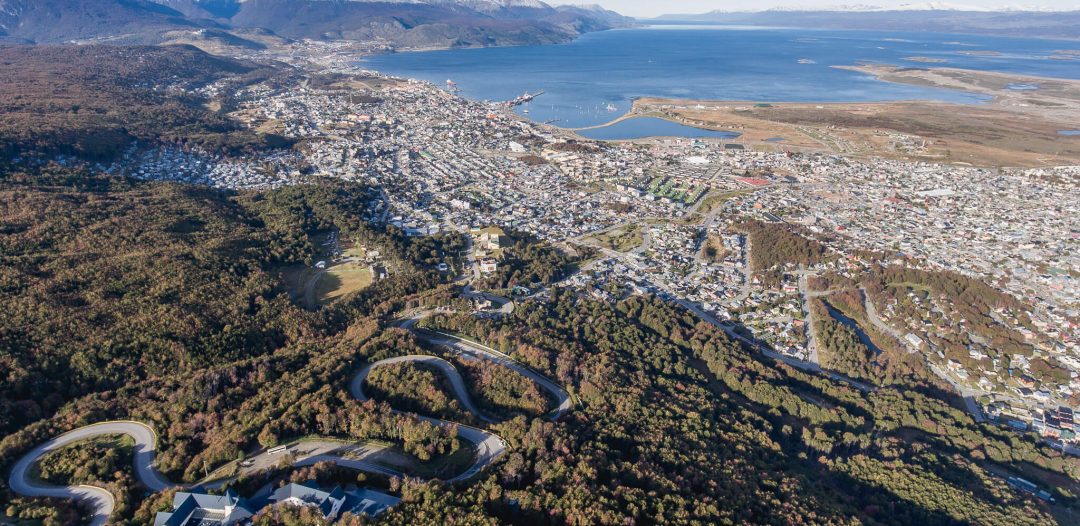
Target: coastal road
97	499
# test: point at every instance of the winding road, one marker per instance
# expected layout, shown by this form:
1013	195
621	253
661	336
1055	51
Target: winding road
489	446
563	402
99	499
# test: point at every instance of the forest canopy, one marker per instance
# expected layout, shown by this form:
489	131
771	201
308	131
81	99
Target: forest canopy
164	304
92	102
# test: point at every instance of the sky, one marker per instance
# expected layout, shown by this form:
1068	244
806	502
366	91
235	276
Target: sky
649	8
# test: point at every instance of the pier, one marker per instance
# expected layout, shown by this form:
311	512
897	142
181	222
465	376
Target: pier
522	99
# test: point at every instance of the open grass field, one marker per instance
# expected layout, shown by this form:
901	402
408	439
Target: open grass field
621	239
355	252
716	199
340	280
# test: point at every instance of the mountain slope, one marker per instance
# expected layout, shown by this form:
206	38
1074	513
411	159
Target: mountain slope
409	23
65	20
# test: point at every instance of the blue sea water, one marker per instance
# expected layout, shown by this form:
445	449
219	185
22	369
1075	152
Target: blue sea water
594	79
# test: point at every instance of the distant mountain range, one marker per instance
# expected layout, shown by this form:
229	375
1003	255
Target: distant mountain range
924	6
404	23
934	17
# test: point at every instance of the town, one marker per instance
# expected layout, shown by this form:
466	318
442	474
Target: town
663	216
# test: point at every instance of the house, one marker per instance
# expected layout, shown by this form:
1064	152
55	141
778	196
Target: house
492	241
488	265
378	272
201	509
308	494
335	502
369	502
913	340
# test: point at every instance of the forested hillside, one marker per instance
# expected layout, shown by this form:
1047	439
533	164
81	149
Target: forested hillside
173	316
677	424
108	281
94	101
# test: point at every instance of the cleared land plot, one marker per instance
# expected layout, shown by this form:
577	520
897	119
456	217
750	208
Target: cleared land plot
442	466
716	199
713	249
355	252
341	280
621	239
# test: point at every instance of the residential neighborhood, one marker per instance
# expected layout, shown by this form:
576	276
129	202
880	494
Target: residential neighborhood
663	215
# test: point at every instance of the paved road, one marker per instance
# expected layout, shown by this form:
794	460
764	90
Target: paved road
489	446
730	330
794	362
969	395
563	402
808	315
457	383
506	306
98	499
360	456
876	321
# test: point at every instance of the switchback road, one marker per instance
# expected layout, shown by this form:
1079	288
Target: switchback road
98	499
489	447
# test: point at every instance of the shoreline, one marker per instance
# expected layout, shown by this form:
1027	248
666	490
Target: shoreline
1001	124
428	49
914	131
1012	127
